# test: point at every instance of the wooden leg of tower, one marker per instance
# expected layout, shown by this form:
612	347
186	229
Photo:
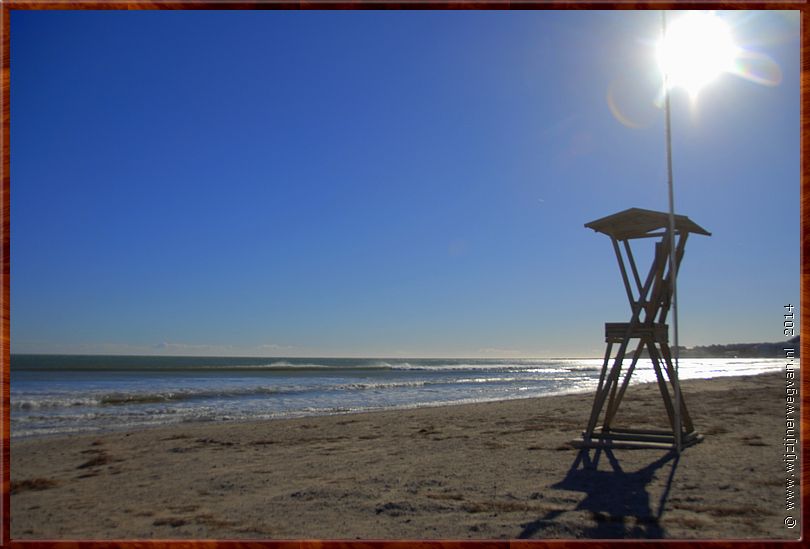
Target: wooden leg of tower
614	386
614	383
686	434
610	380
605	363
611	411
673	379
595	410
662	384
680	420
598	399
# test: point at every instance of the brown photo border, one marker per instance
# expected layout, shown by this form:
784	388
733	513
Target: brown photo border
5	342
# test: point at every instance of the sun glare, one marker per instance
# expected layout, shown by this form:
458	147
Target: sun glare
696	49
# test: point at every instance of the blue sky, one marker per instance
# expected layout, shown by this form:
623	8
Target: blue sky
382	183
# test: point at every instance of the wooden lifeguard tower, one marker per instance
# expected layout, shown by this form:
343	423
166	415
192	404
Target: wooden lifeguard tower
649	303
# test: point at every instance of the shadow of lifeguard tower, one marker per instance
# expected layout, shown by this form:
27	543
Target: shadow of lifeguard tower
618	500
650	302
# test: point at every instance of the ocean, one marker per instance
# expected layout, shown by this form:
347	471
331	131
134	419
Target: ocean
61	394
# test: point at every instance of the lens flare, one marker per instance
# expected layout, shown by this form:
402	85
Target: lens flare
631	99
757	67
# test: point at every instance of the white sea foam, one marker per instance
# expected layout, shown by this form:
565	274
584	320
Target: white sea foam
95	400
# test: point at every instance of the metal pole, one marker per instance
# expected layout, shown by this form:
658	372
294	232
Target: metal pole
672	268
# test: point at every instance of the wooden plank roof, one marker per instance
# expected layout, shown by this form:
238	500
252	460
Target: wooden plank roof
638	223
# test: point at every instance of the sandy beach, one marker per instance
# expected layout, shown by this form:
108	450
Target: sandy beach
484	471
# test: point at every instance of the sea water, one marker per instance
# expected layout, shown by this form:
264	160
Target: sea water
60	394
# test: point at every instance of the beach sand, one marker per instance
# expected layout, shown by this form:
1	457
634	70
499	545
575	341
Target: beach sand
481	471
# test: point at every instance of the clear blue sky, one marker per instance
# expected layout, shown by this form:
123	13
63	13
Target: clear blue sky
382	183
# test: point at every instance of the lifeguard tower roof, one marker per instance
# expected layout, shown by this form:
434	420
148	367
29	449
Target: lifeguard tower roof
640	223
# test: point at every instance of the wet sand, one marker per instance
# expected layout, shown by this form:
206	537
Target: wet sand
482	471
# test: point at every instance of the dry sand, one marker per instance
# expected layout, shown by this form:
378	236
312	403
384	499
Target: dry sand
483	471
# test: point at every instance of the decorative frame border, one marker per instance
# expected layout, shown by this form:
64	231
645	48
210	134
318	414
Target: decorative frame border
6	6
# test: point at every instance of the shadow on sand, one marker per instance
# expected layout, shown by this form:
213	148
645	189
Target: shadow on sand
617	500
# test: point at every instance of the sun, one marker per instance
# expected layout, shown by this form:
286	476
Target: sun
696	49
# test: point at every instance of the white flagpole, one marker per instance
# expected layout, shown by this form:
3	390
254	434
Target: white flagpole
672	269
